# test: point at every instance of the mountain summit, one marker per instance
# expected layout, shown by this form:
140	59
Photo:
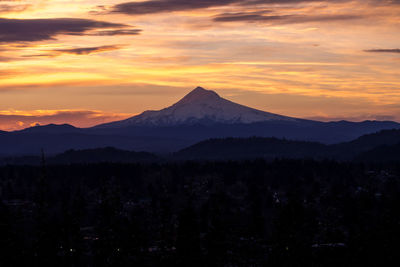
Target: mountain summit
200	106
199	94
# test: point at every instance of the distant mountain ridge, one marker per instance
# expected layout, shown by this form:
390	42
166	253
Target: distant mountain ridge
51	128
379	147
200	115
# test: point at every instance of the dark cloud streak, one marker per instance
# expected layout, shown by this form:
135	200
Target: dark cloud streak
117	32
159	6
30	30
77	51
89	50
396	50
280	19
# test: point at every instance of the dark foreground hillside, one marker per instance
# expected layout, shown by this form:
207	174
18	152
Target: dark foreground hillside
383	146
253	213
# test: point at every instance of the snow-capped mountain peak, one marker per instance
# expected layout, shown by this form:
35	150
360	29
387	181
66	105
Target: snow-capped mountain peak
199	94
200	106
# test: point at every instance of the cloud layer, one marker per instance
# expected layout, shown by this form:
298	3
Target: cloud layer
30	30
160	6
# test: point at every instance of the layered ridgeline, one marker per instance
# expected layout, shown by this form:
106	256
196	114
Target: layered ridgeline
200	115
383	146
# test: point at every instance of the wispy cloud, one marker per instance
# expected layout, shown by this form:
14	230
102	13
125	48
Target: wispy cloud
88	50
77	51
395	50
6	8
365	117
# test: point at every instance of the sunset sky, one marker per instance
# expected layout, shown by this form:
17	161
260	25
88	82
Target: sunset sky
86	62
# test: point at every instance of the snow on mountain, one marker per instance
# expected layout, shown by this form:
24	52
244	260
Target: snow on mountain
200	106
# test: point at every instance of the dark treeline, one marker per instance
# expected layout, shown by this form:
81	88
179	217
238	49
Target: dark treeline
249	213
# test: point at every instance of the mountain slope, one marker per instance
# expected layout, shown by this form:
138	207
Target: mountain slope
383	153
368	142
254	147
383	146
380	146
199	106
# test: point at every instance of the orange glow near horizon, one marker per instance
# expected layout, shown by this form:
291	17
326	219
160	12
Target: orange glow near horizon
12	120
309	59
